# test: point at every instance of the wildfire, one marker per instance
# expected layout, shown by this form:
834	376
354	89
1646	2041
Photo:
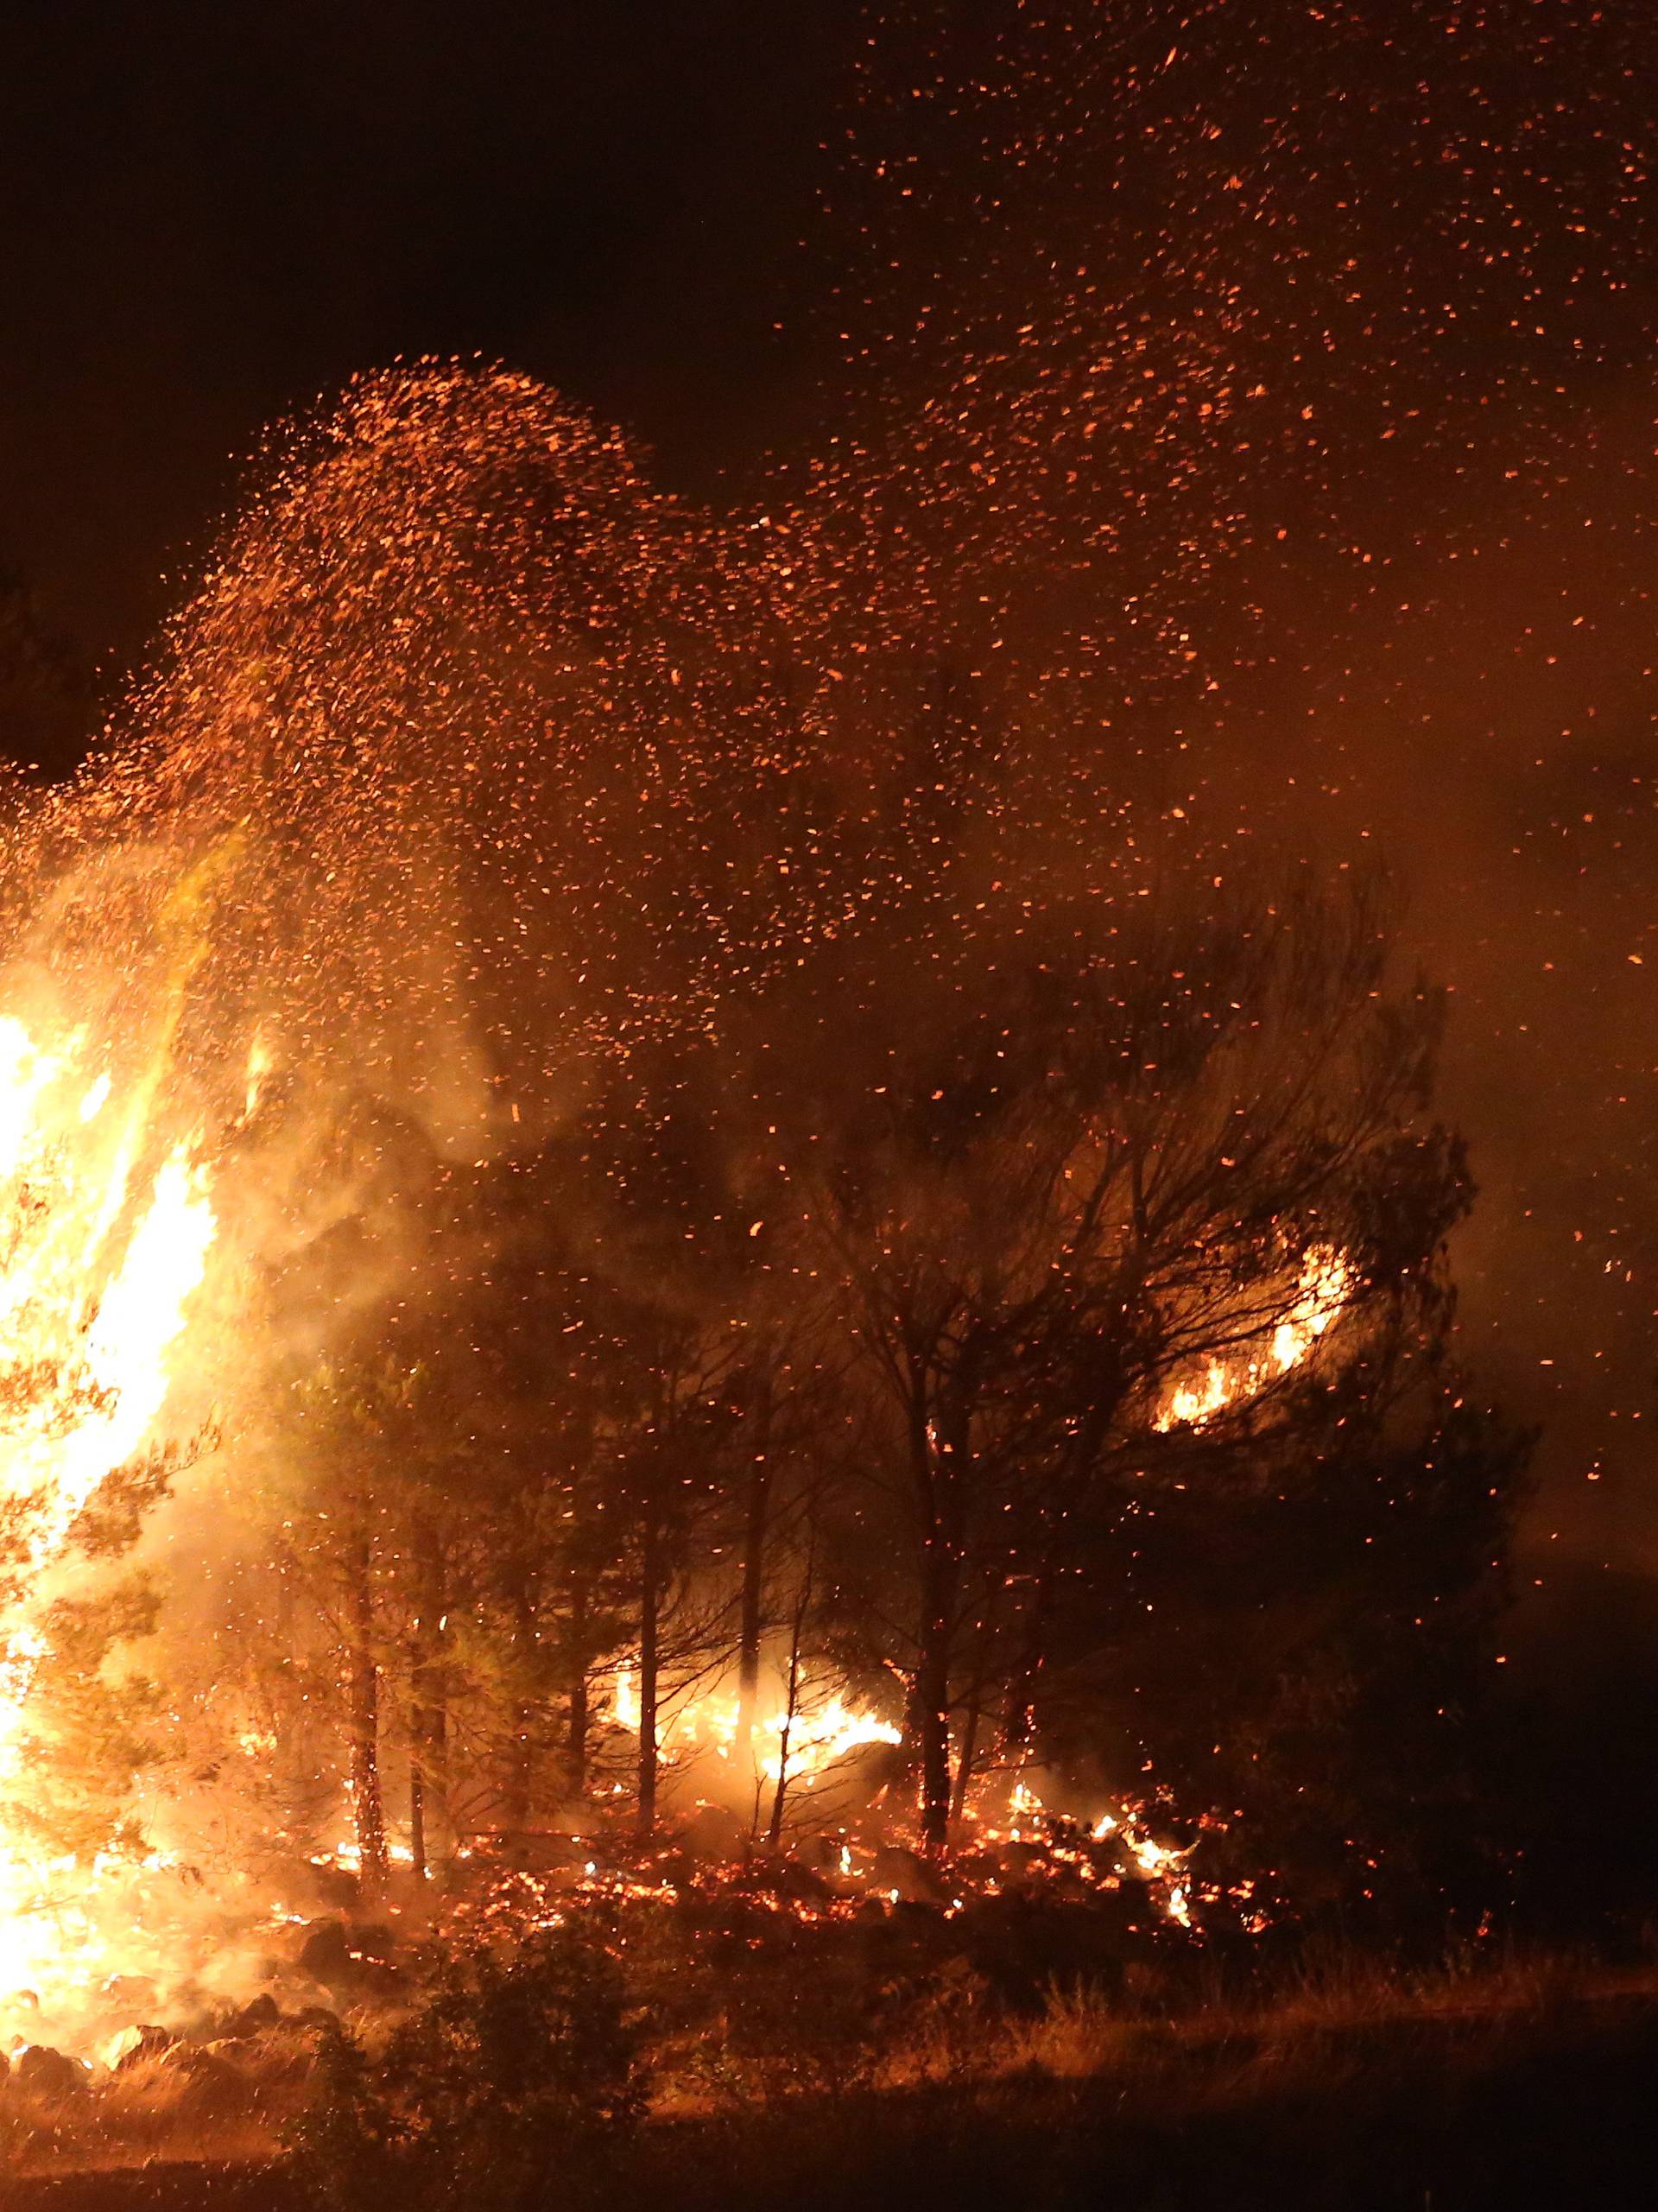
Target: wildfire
1322	1290
823	1729
101	1251
1160	1865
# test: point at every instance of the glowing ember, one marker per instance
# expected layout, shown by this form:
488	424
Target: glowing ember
1160	1865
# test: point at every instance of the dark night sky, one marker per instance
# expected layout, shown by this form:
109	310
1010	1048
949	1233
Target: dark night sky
209	215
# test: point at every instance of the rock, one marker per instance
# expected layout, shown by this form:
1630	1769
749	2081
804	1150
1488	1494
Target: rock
374	1940
821	1852
320	2017
335	1887
133	2045
373	1978
263	2011
787	1877
541	1851
324	1953
336	1958
301	1994
675	1867
916	1880
284	2054
713	1832
212	2081
43	2072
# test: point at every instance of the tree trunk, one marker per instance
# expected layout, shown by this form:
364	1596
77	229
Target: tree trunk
521	1782
580	1577
575	1734
416	1823
579	1597
367	1811
965	1757
649	1600
938	1580
1018	1724
754	1563
940	1469
969	1748
428	1721
779	1795
796	1635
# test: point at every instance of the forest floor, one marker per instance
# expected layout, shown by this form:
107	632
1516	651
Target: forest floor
1524	2082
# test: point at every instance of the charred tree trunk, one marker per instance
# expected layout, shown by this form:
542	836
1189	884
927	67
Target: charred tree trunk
966	1756
751	1624
575	1733
428	1719
521	1780
977	1685
797	1632
368	1811
649	1661
580	1582
1019	1722
939	1581
941	1468
416	1821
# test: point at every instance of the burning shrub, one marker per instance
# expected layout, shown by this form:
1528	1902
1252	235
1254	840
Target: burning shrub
515	2067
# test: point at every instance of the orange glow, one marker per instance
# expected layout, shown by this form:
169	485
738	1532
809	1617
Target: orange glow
825	1727
1322	1290
102	1246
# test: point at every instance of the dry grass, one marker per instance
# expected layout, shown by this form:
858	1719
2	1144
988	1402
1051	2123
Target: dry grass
1334	2018
220	2103
1340	2022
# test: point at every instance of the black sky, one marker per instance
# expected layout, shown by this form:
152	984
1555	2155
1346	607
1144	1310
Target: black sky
209	216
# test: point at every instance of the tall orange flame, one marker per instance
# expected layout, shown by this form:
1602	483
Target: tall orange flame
106	1229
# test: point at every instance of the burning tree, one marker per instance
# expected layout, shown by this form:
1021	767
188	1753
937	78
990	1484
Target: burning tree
1170	1169
864	1343
106	1230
